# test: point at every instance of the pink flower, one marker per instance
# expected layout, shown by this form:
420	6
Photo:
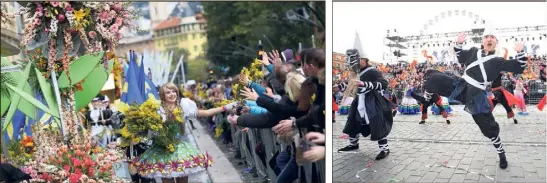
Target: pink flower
69	8
92	34
114	28
117	7
34	173
54	3
37	21
119	21
61	17
104	16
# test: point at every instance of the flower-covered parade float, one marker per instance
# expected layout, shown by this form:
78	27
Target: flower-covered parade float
69	55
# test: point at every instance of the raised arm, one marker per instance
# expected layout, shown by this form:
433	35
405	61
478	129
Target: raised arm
517	65
463	55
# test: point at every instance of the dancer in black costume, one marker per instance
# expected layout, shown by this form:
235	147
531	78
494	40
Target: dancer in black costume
473	87
370	113
504	97
427	100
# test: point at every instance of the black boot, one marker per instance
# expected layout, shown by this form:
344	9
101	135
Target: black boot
515	121
503	161
422	122
382	155
447	121
394	113
349	148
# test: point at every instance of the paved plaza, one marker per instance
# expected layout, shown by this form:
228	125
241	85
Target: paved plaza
438	152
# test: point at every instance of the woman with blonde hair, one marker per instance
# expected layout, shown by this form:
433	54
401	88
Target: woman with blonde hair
186	160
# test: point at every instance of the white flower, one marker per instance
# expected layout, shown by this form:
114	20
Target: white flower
53	26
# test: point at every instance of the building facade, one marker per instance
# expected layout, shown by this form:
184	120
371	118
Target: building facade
188	33
9	30
136	43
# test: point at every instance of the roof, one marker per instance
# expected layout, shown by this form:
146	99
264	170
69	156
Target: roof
170	22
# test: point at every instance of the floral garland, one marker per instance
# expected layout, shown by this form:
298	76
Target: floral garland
59	31
102	22
144	118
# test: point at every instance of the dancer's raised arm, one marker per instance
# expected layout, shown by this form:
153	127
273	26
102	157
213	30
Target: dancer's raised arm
464	56
517	65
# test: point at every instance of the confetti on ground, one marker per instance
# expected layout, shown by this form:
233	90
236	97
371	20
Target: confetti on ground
443	164
370	163
344	136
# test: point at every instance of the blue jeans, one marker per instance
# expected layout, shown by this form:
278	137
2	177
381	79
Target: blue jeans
289	172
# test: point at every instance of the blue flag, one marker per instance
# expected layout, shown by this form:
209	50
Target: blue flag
131	93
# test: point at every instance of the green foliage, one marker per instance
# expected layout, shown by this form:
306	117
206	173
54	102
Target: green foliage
249	22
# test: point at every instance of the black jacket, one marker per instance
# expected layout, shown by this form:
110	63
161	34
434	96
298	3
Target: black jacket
282	110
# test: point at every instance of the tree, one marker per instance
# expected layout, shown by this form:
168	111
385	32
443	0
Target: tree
234	28
197	69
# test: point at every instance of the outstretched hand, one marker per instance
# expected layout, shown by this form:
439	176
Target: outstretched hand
249	94
461	38
519	46
243	79
274	57
265	59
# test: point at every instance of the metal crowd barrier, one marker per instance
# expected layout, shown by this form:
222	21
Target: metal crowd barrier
246	144
536	91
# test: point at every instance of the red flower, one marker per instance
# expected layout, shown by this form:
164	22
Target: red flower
90	172
45	176
78	171
67	168
76	162
88	162
74	178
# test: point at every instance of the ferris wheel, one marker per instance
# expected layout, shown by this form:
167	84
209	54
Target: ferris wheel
434	45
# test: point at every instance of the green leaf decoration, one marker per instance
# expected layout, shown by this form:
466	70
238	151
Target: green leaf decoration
80	69
31	99
16	98
13	78
4	104
5	78
92	85
47	92
24	106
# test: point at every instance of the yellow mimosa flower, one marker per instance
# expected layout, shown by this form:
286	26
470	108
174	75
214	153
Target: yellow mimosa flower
80	14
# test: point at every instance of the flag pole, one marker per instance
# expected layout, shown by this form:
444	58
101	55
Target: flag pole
182	69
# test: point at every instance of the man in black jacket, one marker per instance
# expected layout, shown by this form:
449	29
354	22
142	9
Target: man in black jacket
482	67
370	113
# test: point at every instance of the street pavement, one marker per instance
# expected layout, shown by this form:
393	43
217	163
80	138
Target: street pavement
440	152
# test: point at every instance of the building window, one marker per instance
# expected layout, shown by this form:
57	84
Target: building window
195	48
193	36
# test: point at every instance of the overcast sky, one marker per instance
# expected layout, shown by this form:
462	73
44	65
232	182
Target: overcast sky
372	20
